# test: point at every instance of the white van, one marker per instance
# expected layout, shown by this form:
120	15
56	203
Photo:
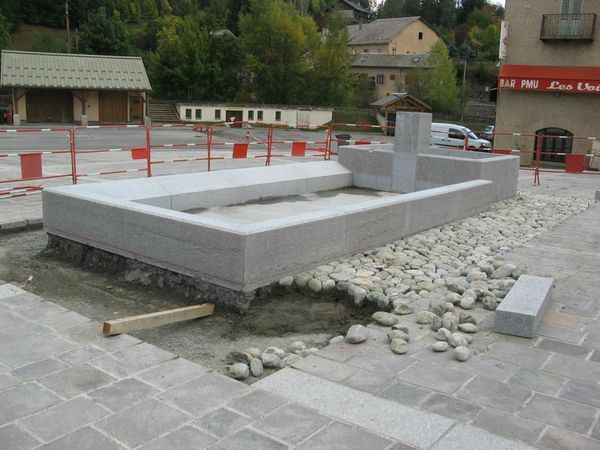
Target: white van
451	135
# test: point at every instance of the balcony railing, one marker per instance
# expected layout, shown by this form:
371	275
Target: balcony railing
568	27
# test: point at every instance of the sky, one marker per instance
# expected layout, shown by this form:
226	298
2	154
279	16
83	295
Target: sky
499	2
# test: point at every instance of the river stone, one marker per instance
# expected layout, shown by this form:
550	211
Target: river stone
341	276
425	317
442	334
397	334
315	285
440	346
239	371
359	295
302	279
310	351
381	300
385	318
253	351
449	321
336	339
458	285
462	353
436	323
453	297
403	309
506	285
297	347
286	281
464	317
476	276
520	270
458	339
291	359
468	299
488	269
399	346
356	334
256	367
504	271
275	350
241	357
328	285
400	327
467	328
437	306
490	303
270	360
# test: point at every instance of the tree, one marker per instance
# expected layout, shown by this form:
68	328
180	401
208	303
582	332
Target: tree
276	41
4	32
485	41
104	34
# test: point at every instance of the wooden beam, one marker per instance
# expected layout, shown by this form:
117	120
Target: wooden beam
156	319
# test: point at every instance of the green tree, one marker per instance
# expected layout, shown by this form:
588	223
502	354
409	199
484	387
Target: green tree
4	32
104	34
485	41
276	41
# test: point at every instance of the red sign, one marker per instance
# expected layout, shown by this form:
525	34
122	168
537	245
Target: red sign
578	80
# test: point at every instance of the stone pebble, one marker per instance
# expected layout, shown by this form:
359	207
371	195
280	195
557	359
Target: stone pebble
356	334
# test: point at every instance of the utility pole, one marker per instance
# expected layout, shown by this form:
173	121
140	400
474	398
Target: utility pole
68	27
464	87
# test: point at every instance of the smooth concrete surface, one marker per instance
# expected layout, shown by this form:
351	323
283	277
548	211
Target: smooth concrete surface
412	135
523	307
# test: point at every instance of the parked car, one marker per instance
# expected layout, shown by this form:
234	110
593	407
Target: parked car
488	133
451	135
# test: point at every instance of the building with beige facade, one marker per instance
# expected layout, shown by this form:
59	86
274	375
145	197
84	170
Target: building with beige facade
70	88
549	83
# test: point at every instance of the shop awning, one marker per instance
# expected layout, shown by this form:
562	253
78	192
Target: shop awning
579	80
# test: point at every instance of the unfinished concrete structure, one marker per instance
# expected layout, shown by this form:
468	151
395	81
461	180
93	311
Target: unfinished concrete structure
205	225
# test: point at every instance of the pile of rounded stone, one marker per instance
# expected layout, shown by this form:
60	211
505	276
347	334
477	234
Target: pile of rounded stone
253	361
457	257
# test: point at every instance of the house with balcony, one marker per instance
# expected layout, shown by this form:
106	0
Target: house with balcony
549	82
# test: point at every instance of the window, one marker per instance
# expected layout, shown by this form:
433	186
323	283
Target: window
278	116
453	133
250	115
217	114
259	115
420	35
393	77
188	113
366	50
198	114
571	6
553	143
379	79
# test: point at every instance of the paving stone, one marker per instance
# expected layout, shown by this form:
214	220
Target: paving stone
39	369
368	381
340	435
116	343
380	360
19	301
40	312
143	356
19	352
143	422
405	393
256	404
433	376
488	368
509	426
575	368
84	439
341	351
76	380
23	401
91	333
81	355
564	320
588	394
563	347
248	439
376	415
463	437
401	446
560	333
9	290
291	423
123	394
494	394
536	380
23	330
521	355
63	320
185	438
14	438
205	393
172	373
9	319
452	407
595	433
559	412
325	368
64	418
222	422
595	356
8	381
558	439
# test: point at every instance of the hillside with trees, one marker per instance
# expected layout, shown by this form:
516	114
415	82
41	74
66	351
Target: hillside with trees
270	51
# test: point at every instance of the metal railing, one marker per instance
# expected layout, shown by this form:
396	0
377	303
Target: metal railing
568	26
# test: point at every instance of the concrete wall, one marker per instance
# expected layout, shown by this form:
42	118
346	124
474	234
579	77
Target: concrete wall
92	107
289	116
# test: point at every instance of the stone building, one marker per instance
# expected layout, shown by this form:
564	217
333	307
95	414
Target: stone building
549	83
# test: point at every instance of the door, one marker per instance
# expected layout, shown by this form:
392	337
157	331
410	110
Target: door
456	138
49	106
234	116
569	24
113	107
136	108
552	144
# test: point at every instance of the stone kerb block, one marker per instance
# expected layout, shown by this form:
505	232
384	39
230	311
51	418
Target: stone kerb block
413	132
523	307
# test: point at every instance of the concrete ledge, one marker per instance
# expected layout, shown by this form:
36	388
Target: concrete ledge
523	307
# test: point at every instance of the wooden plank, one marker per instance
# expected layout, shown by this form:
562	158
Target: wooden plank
156	319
